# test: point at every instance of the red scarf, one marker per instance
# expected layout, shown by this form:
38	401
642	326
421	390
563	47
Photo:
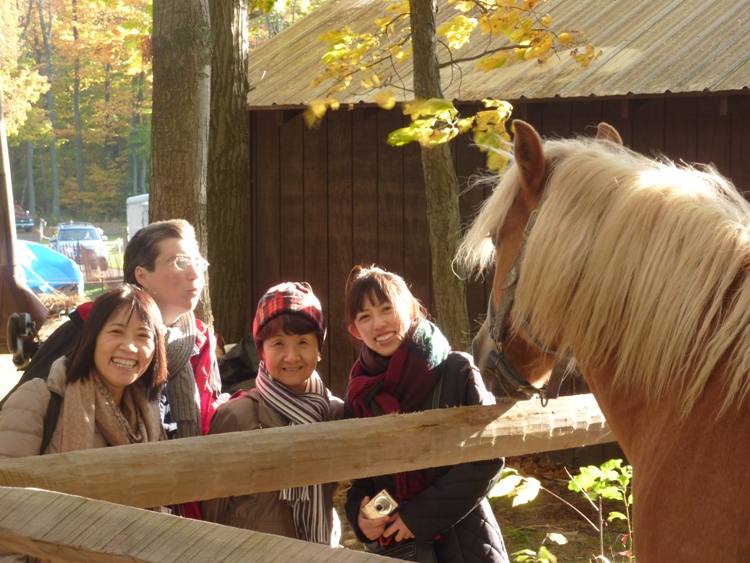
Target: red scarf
202	364
399	384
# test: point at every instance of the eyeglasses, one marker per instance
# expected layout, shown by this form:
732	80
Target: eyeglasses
181	262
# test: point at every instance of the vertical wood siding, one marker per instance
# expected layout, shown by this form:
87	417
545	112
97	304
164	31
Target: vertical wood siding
326	199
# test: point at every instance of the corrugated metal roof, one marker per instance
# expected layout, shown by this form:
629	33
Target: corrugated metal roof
649	47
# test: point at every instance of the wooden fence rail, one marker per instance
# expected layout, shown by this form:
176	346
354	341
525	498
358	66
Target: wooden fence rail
177	471
68	528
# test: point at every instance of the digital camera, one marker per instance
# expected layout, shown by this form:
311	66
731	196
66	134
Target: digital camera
382	504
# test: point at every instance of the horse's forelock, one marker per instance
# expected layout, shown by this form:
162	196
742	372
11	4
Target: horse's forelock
638	261
476	251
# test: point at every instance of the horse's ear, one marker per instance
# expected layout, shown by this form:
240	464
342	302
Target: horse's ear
605	132
529	156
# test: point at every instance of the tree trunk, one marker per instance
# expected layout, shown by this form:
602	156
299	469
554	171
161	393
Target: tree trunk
229	169
30	177
77	100
179	127
108	143
15	296
45	188
46	32
144	175
443	214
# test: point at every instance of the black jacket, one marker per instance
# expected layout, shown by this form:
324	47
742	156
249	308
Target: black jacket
454	508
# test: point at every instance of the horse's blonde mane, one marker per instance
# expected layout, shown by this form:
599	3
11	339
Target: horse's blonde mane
634	263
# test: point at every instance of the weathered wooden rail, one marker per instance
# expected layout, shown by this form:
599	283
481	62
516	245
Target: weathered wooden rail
68	528
177	471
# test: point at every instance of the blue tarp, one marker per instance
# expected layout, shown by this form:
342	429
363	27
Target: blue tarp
46	269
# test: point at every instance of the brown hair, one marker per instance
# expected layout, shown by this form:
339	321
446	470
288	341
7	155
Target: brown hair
379	286
143	248
136	300
290	323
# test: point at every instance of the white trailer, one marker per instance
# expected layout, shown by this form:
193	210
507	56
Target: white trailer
137	211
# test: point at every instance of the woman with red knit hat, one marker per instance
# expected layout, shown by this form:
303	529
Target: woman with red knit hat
289	330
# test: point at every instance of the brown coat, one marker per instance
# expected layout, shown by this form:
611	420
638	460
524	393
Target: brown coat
260	512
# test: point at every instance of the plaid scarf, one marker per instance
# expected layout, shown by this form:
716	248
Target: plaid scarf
399	384
308	503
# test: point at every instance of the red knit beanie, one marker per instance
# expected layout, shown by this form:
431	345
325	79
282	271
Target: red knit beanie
289	297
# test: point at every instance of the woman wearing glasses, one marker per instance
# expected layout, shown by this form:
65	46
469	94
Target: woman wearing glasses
162	258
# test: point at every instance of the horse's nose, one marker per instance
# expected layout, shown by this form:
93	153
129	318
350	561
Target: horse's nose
478	345
480	349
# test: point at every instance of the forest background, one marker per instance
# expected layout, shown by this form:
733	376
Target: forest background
76	79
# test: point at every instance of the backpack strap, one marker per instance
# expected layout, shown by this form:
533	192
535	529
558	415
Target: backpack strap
50	419
438	385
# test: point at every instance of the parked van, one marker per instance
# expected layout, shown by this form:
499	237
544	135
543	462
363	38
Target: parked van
137	212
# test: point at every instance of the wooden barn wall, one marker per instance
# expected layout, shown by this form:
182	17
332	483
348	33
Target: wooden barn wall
326	199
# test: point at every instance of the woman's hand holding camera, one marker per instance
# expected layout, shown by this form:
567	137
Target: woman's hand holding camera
398	529
376	528
373	529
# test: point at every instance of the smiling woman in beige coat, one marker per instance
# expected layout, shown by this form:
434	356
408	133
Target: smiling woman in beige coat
109	386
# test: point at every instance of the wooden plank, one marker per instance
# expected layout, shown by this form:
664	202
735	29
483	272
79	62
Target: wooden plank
648	126
365	150
681	130
390	195
556	119
417	255
617	114
266	213
291	204
714	141
59	527
739	109
252	241
534	114
239	463
316	220
470	165
585	115
340	241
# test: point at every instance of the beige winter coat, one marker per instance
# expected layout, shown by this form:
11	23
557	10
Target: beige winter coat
22	426
261	512
22	416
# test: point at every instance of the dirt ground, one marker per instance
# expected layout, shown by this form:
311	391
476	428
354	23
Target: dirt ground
524	527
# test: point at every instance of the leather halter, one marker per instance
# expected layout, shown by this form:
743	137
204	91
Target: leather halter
513	383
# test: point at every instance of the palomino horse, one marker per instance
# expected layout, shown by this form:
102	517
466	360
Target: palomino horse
640	270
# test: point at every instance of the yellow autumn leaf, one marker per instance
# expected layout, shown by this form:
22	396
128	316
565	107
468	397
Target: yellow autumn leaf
458	31
546	21
317	107
465	6
493	62
464	125
385	99
501	105
382	23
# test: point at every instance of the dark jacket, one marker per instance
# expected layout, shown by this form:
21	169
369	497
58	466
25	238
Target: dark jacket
454	508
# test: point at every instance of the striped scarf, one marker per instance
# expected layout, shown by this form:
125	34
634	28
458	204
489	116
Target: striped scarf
308	504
